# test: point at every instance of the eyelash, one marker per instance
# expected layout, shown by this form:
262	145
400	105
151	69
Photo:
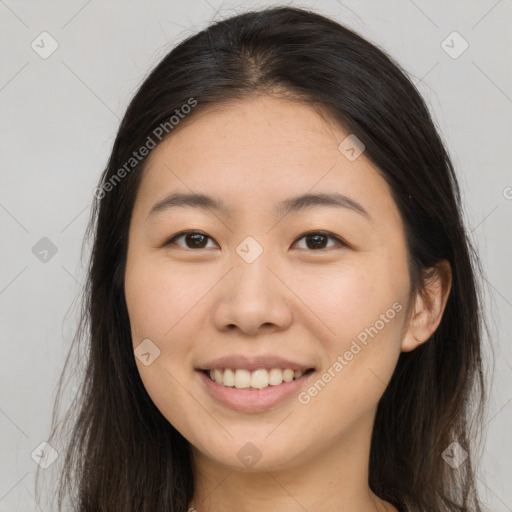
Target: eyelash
325	234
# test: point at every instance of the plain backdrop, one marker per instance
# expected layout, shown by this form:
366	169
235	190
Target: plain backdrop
59	117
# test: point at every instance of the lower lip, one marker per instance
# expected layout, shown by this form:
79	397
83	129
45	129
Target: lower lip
245	400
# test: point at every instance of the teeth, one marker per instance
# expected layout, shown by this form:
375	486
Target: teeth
229	378
257	379
275	376
242	379
288	375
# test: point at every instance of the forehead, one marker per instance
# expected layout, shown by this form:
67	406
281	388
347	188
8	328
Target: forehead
262	150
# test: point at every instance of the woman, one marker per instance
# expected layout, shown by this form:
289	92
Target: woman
282	301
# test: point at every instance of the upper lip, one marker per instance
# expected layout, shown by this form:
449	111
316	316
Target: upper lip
239	361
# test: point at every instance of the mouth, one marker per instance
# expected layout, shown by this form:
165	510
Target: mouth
253	383
254	391
254	380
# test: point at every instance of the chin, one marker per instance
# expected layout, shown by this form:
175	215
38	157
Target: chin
253	454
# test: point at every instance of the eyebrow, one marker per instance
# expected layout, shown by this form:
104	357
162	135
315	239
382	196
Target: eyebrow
293	204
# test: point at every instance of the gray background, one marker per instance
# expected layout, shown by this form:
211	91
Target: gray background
59	116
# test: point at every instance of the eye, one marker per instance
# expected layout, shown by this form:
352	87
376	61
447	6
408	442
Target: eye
195	238
315	240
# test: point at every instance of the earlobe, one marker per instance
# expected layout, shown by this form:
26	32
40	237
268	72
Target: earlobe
429	306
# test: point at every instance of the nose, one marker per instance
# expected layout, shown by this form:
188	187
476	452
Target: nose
252	298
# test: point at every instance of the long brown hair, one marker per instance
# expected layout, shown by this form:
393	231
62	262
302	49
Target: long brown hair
121	454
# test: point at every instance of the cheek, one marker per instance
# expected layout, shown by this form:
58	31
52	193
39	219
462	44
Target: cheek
158	295
344	299
159	304
361	310
364	313
166	308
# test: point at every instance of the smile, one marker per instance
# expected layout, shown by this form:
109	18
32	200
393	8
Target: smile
249	398
260	378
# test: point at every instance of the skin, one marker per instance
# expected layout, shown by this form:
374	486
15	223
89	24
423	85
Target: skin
294	301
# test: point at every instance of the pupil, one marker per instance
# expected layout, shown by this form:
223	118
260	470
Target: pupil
194	237
317	238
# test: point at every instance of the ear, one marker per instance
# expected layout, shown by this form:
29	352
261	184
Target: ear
429	305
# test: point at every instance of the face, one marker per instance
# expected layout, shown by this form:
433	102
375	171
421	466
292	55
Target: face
320	287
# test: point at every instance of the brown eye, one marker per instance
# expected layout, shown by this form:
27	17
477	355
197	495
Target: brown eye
193	239
317	240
